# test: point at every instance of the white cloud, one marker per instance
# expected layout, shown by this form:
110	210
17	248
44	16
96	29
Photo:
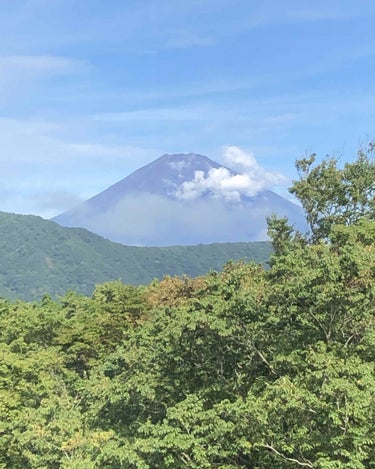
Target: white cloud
236	158
250	179
245	162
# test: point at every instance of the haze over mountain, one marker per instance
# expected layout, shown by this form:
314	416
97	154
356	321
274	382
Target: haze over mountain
183	199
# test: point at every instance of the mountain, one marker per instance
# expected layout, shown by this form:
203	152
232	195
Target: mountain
39	256
181	199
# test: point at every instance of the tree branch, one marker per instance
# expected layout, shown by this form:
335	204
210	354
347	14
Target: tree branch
299	463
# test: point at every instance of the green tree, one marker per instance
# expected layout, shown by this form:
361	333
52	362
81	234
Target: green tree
330	195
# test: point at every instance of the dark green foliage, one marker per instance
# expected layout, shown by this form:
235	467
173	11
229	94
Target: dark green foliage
247	368
39	257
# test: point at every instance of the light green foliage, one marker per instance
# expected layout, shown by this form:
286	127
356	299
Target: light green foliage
247	368
331	195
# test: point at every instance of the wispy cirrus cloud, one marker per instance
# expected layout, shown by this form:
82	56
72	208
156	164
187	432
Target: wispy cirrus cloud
90	149
45	146
270	12
324	11
23	66
42	160
19	74
184	39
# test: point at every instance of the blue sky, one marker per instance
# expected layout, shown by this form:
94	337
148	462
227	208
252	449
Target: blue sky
91	90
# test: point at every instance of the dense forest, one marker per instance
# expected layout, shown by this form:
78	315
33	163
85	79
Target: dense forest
246	368
41	257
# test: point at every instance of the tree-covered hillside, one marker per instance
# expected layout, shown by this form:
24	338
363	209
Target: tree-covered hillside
247	368
39	257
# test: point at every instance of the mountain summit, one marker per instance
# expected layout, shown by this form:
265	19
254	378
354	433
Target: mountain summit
181	199
162	176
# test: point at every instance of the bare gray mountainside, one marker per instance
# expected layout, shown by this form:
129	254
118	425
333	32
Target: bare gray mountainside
181	199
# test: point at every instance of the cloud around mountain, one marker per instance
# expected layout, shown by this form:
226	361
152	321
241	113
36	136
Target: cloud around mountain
223	183
155	220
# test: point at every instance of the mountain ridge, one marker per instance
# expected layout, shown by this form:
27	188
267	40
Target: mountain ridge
41	257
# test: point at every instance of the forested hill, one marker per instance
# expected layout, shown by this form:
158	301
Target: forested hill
39	257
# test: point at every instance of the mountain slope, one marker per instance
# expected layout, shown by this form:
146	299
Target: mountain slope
178	200
160	177
39	256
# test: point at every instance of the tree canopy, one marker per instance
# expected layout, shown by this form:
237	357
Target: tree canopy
331	195
244	368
